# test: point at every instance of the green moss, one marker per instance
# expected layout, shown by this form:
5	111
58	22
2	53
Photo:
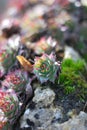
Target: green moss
72	78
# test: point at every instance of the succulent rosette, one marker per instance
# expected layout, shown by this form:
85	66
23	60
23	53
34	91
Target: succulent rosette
44	45
46	68
41	47
7	58
16	80
9	104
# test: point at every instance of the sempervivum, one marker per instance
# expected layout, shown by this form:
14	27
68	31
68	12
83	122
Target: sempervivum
7	58
16	80
44	45
46	68
9	104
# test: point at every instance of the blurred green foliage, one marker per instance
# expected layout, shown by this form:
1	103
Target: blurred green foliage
72	78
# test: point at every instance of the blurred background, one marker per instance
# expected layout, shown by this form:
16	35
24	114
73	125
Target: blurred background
3	5
68	17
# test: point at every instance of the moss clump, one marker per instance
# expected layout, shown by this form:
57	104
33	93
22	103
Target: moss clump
72	78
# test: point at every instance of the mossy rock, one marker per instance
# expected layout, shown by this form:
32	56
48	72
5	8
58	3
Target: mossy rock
72	78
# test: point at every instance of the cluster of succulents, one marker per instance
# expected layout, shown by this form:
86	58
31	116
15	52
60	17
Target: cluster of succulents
45	67
14	84
30	36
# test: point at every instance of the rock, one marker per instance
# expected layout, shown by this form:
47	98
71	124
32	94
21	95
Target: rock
71	53
44	112
77	123
44	97
23	121
45	119
47	116
41	118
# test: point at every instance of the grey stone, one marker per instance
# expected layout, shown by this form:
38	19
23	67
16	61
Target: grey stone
43	97
76	123
46	116
71	53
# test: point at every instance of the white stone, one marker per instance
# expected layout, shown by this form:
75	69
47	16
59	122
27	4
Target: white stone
71	53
